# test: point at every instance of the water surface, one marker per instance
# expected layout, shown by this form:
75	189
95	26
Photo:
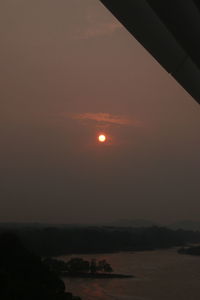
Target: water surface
160	275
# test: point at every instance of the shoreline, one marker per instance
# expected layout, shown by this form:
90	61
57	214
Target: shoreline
95	276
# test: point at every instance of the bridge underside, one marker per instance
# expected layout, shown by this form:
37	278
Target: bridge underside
170	31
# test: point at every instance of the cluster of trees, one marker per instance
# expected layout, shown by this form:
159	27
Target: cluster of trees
78	265
24	276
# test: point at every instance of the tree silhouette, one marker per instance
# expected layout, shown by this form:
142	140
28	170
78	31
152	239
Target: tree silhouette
103	266
75	265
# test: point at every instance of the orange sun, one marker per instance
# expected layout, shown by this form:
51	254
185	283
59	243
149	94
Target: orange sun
102	138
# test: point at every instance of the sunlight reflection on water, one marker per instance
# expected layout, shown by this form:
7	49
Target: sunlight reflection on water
161	274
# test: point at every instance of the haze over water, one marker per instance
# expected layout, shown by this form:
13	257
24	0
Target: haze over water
160	275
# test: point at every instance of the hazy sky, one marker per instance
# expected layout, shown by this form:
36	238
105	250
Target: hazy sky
69	71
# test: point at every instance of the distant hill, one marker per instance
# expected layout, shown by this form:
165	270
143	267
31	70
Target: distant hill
186	225
15	225
133	223
36	225
137	223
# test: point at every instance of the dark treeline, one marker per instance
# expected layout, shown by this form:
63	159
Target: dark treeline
59	241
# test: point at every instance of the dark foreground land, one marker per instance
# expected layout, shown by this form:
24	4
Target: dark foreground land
24	276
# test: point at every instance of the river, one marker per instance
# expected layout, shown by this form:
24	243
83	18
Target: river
159	275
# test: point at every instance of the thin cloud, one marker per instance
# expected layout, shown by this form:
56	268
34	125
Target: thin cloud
106	118
97	24
97	30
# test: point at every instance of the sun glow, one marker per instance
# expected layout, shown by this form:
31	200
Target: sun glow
102	138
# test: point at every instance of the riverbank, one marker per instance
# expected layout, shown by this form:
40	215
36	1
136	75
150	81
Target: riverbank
193	250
